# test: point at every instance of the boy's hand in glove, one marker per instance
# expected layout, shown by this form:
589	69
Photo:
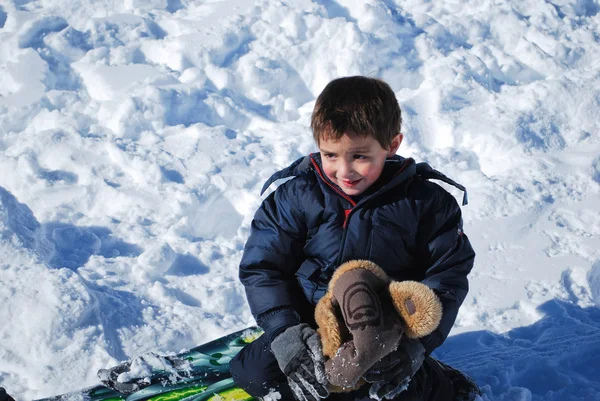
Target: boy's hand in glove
391	375
300	357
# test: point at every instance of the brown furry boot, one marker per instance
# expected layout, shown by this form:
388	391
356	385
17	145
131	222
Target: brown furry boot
362	318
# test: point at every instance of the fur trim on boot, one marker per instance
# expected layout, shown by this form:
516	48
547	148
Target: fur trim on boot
420	308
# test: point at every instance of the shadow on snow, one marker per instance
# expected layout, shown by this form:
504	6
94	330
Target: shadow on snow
554	359
74	245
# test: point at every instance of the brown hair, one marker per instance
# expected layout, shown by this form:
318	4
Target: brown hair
357	105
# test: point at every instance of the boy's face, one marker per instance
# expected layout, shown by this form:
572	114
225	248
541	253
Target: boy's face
354	163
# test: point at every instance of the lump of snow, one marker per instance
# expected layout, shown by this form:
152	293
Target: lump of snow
33	32
146	5
157	259
22	80
105	82
18	221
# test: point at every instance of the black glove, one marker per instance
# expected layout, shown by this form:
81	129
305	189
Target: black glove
391	375
300	357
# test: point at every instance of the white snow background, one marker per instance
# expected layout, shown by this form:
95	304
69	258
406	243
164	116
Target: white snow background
135	136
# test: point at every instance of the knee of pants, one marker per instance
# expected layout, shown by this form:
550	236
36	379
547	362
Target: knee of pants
245	378
237	371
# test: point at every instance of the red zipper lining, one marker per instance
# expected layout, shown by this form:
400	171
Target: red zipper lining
343	195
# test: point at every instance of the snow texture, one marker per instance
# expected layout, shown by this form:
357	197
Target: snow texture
135	137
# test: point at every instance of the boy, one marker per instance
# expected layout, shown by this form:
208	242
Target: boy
355	199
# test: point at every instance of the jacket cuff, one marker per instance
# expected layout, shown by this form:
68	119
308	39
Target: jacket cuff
431	342
276	321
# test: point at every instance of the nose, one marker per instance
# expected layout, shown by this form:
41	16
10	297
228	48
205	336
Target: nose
345	169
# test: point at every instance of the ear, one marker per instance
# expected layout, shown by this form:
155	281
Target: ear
396	141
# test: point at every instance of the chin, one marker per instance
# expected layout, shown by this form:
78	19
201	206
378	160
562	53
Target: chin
353	191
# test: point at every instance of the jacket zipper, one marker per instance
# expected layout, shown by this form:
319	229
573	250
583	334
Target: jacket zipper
346	217
342	194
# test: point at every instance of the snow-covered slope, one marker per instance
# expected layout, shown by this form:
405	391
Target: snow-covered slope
135	137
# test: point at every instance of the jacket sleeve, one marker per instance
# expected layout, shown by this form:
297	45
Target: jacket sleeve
446	255
271	257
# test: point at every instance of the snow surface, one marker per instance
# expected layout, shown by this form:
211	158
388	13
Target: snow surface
135	137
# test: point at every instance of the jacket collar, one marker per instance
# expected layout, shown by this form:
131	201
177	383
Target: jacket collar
300	167
399	168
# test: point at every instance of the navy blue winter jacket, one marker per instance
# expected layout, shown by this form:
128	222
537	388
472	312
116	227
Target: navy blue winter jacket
306	228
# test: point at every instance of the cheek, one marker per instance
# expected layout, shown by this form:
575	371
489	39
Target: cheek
329	170
372	171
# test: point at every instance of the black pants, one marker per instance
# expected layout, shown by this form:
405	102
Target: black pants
255	370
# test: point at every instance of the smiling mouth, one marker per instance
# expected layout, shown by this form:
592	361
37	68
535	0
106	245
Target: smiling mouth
351	183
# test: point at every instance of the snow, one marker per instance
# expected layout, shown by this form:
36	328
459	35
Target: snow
135	137
142	367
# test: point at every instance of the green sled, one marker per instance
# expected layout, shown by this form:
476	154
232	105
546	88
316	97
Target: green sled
207	380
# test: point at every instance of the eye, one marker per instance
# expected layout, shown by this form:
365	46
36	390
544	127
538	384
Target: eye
360	157
328	155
